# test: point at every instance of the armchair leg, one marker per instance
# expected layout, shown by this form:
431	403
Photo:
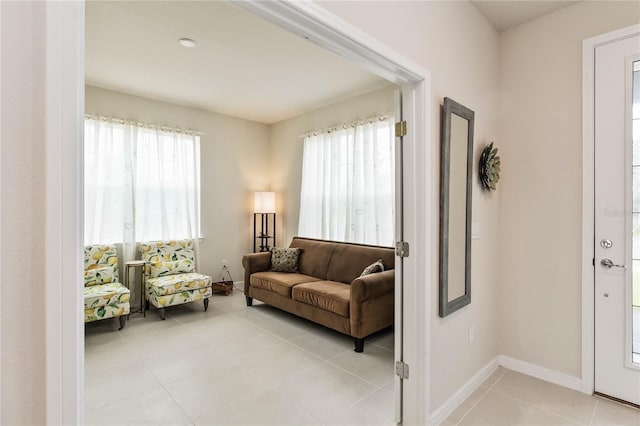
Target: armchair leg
359	344
206	304
123	321
249	300
146	305
161	312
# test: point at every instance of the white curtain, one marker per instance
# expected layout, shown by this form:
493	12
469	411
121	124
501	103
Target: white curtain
348	183
142	183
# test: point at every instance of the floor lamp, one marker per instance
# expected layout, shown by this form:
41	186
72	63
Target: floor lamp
264	210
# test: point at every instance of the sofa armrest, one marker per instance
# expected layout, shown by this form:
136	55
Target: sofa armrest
255	262
372	286
371	307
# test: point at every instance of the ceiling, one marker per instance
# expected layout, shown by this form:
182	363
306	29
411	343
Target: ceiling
242	66
508	14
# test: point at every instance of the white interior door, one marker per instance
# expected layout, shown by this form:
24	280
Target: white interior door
617	219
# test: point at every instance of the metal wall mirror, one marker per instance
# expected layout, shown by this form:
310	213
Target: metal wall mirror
456	167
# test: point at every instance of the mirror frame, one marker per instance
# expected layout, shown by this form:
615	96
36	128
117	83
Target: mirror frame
452	107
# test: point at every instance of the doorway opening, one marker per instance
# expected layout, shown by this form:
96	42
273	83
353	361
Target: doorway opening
416	175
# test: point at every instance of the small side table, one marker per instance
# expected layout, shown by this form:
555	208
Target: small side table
137	264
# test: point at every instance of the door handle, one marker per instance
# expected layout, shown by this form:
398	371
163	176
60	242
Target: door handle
608	263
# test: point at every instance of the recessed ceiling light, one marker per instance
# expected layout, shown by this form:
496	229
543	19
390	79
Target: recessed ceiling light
187	42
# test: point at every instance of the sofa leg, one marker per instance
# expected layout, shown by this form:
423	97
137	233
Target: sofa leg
161	312
206	304
249	300
146	305
359	344
123	321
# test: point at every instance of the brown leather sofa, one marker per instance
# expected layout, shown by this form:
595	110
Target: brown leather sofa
328	289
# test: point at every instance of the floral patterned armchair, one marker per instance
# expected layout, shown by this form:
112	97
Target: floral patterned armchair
104	296
171	278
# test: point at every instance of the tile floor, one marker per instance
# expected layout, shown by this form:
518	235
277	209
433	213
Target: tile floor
234	365
260	366
511	398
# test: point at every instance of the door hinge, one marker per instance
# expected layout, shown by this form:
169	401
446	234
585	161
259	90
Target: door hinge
402	249
402	370
401	129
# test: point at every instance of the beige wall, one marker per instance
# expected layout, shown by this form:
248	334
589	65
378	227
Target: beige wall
460	48
234	163
538	198
287	146
541	201
22	196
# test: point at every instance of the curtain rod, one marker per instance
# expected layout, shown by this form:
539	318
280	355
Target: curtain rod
169	129
381	117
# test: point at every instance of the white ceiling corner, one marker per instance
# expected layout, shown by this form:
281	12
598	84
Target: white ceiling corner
506	14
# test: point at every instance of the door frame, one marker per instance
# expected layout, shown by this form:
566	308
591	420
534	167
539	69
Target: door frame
64	214
588	197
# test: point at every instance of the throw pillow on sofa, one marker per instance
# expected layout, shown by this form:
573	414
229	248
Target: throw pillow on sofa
376	266
284	259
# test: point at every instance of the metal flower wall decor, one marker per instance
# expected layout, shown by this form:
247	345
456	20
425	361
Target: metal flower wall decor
489	168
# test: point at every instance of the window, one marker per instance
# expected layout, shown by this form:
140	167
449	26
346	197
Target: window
348	183
141	182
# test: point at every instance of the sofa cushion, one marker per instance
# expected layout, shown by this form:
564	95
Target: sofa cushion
279	282
284	259
170	284
327	295
315	256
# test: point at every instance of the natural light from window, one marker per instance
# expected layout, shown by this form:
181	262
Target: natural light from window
141	183
348	183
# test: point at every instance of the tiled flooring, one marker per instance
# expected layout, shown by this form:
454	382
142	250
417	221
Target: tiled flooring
510	398
234	365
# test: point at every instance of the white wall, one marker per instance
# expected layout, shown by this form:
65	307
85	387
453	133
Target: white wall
541	201
234	163
22	196
460	48
286	148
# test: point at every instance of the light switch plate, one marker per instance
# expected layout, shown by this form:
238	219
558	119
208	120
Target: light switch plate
475	231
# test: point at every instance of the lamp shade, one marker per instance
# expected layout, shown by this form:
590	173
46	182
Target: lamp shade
264	202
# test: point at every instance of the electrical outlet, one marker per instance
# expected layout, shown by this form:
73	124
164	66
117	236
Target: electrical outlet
472	334
224	263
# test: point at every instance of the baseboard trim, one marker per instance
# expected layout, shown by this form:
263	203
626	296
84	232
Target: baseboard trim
541	373
450	405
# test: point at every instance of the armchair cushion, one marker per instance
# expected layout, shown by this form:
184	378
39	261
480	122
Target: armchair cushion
159	269
105	294
159	252
171	284
100	275
102	301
